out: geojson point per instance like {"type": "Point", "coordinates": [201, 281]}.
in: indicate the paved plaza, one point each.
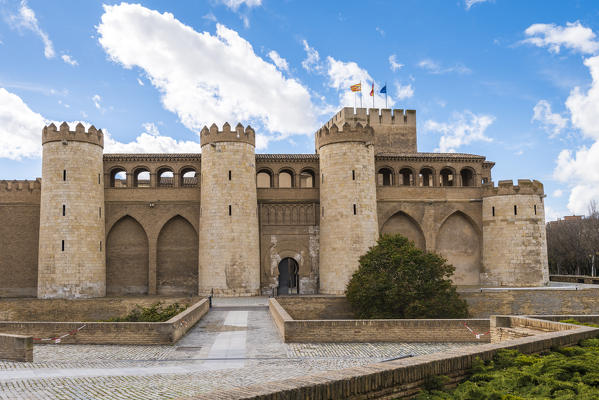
{"type": "Point", "coordinates": [235, 344]}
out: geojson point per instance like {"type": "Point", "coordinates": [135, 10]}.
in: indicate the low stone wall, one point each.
{"type": "Point", "coordinates": [376, 330]}
{"type": "Point", "coordinates": [316, 307]}
{"type": "Point", "coordinates": [575, 279]}
{"type": "Point", "coordinates": [62, 310]}
{"type": "Point", "coordinates": [400, 378]}
{"type": "Point", "coordinates": [539, 301]}
{"type": "Point", "coordinates": [508, 327]}
{"type": "Point", "coordinates": [112, 332]}
{"type": "Point", "coordinates": [16, 348]}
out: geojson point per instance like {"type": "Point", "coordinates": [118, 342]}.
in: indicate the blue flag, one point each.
{"type": "Point", "coordinates": [384, 89]}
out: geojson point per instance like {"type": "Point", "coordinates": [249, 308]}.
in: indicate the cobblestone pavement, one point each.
{"type": "Point", "coordinates": [231, 346]}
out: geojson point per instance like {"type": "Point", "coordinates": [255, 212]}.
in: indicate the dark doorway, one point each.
{"type": "Point", "coordinates": [288, 276]}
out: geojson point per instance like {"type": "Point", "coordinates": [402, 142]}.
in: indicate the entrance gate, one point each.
{"type": "Point", "coordinates": [288, 276]}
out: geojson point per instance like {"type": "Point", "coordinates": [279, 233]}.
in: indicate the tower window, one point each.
{"type": "Point", "coordinates": [493, 211]}
{"type": "Point", "coordinates": [322, 178]}
{"type": "Point", "coordinates": [322, 211]}
{"type": "Point", "coordinates": [229, 209]}
{"type": "Point", "coordinates": [515, 210]}
{"type": "Point", "coordinates": [63, 245]}
{"type": "Point", "coordinates": [64, 174]}
{"type": "Point", "coordinates": [98, 179]}
{"type": "Point", "coordinates": [64, 210]}
{"type": "Point", "coordinates": [353, 174]}
{"type": "Point", "coordinates": [535, 209]}
{"type": "Point", "coordinates": [100, 212]}
{"type": "Point", "coordinates": [354, 209]}
{"type": "Point", "coordinates": [229, 174]}
{"type": "Point", "coordinates": [100, 245]}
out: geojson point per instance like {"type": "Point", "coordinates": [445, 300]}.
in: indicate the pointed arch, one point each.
{"type": "Point", "coordinates": [127, 258]}
{"type": "Point", "coordinates": [405, 225]}
{"type": "Point", "coordinates": [177, 258]}
{"type": "Point", "coordinates": [459, 241]}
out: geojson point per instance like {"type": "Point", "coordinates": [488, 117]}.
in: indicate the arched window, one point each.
{"type": "Point", "coordinates": [406, 177]}
{"type": "Point", "coordinates": [166, 178]}
{"type": "Point", "coordinates": [447, 177]}
{"type": "Point", "coordinates": [188, 178]}
{"type": "Point", "coordinates": [263, 179]}
{"type": "Point", "coordinates": [118, 178]}
{"type": "Point", "coordinates": [286, 179]}
{"type": "Point", "coordinates": [307, 179]}
{"type": "Point", "coordinates": [467, 177]}
{"type": "Point", "coordinates": [385, 177]}
{"type": "Point", "coordinates": [141, 178]}
{"type": "Point", "coordinates": [426, 177]}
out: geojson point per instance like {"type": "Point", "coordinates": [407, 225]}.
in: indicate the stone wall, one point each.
{"type": "Point", "coordinates": [72, 240]}
{"type": "Point", "coordinates": [16, 348]}
{"type": "Point", "coordinates": [113, 332]}
{"type": "Point", "coordinates": [19, 236]}
{"type": "Point", "coordinates": [316, 307]}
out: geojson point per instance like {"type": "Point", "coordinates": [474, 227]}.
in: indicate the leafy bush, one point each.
{"type": "Point", "coordinates": [397, 280]}
{"type": "Point", "coordinates": [154, 313]}
{"type": "Point", "coordinates": [569, 373]}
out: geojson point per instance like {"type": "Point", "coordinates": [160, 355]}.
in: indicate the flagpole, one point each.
{"type": "Point", "coordinates": [361, 94]}
{"type": "Point", "coordinates": [386, 95]}
{"type": "Point", "coordinates": [373, 94]}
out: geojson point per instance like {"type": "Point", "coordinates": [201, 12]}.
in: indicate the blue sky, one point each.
{"type": "Point", "coordinates": [510, 80]}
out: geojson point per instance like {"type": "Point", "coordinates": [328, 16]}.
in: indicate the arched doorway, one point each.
{"type": "Point", "coordinates": [288, 276]}
{"type": "Point", "coordinates": [177, 261]}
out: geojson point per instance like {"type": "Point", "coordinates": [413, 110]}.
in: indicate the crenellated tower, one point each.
{"type": "Point", "coordinates": [71, 259]}
{"type": "Point", "coordinates": [348, 207]}
{"type": "Point", "coordinates": [229, 248]}
{"type": "Point", "coordinates": [514, 236]}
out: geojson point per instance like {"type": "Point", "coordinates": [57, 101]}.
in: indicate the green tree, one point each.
{"type": "Point", "coordinates": [398, 280]}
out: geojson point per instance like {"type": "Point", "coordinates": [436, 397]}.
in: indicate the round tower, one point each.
{"type": "Point", "coordinates": [71, 259]}
{"type": "Point", "coordinates": [514, 237]}
{"type": "Point", "coordinates": [348, 211]}
{"type": "Point", "coordinates": [229, 246]}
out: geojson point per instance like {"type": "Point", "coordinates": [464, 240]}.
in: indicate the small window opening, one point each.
{"type": "Point", "coordinates": [493, 211]}
{"type": "Point", "coordinates": [354, 209]}
{"type": "Point", "coordinates": [229, 174]}
{"type": "Point", "coordinates": [100, 212]}
{"type": "Point", "coordinates": [322, 178]}
{"type": "Point", "coordinates": [98, 179]}
{"type": "Point", "coordinates": [535, 209]}
{"type": "Point", "coordinates": [515, 210]}
{"type": "Point", "coordinates": [322, 211]}
{"type": "Point", "coordinates": [64, 210]}
{"type": "Point", "coordinates": [64, 174]}
{"type": "Point", "coordinates": [229, 209]}
{"type": "Point", "coordinates": [353, 174]}
{"type": "Point", "coordinates": [63, 245]}
{"type": "Point", "coordinates": [100, 245]}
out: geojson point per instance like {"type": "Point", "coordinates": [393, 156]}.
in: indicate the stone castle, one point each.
{"type": "Point", "coordinates": [233, 222]}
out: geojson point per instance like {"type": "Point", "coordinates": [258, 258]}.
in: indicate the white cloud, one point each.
{"type": "Point", "coordinates": [279, 61]}
{"type": "Point", "coordinates": [20, 128]}
{"type": "Point", "coordinates": [235, 4]}
{"type": "Point", "coordinates": [150, 141]}
{"type": "Point", "coordinates": [97, 99]}
{"type": "Point", "coordinates": [558, 193]}
{"type": "Point", "coordinates": [312, 61]}
{"type": "Point", "coordinates": [463, 129]}
{"type": "Point", "coordinates": [140, 82]}
{"type": "Point", "coordinates": [26, 19]}
{"type": "Point", "coordinates": [344, 74]}
{"type": "Point", "coordinates": [573, 36]}
{"type": "Point", "coordinates": [584, 107]}
{"type": "Point", "coordinates": [436, 68]}
{"type": "Point", "coordinates": [210, 17]}
{"type": "Point", "coordinates": [552, 122]}
{"type": "Point", "coordinates": [403, 91]}
{"type": "Point", "coordinates": [393, 64]}
{"type": "Point", "coordinates": [69, 60]}
{"type": "Point", "coordinates": [233, 83]}
{"type": "Point", "coordinates": [581, 171]}
{"type": "Point", "coordinates": [380, 31]}
{"type": "Point", "coordinates": [470, 3]}
{"type": "Point", "coordinates": [552, 214]}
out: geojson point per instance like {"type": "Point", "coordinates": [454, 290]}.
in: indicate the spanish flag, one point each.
{"type": "Point", "coordinates": [372, 90]}
{"type": "Point", "coordinates": [356, 88]}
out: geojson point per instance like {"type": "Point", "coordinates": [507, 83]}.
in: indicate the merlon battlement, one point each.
{"type": "Point", "coordinates": [51, 134]}
{"type": "Point", "coordinates": [21, 186]}
{"type": "Point", "coordinates": [507, 187]}
{"type": "Point", "coordinates": [373, 117]}
{"type": "Point", "coordinates": [347, 133]}
{"type": "Point", "coordinates": [213, 135]}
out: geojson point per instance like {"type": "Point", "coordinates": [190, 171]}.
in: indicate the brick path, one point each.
{"type": "Point", "coordinates": [235, 345]}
